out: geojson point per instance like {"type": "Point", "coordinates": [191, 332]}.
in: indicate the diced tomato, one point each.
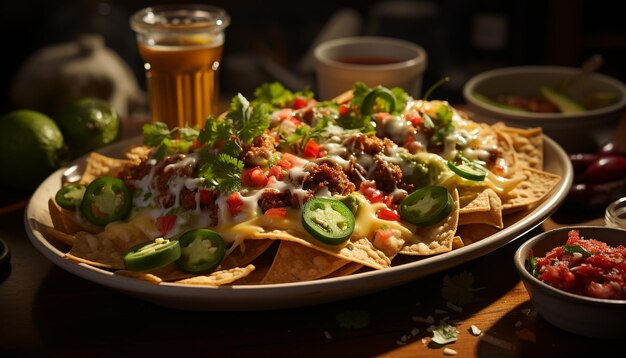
{"type": "Point", "coordinates": [344, 109]}
{"type": "Point", "coordinates": [276, 171]}
{"type": "Point", "coordinates": [284, 114]}
{"type": "Point", "coordinates": [382, 116]}
{"type": "Point", "coordinates": [387, 214]}
{"type": "Point", "coordinates": [165, 223]}
{"type": "Point", "coordinates": [288, 161]}
{"type": "Point", "coordinates": [254, 177]}
{"type": "Point", "coordinates": [383, 233]}
{"type": "Point", "coordinates": [415, 119]}
{"type": "Point", "coordinates": [300, 102]}
{"type": "Point", "coordinates": [368, 189]}
{"type": "Point", "coordinates": [234, 203]}
{"type": "Point", "coordinates": [322, 153]}
{"type": "Point", "coordinates": [207, 197]}
{"type": "Point", "coordinates": [276, 212]}
{"type": "Point", "coordinates": [311, 149]}
{"type": "Point", "coordinates": [295, 121]}
{"type": "Point", "coordinates": [196, 144]}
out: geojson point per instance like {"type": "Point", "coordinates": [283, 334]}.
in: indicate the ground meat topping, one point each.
{"type": "Point", "coordinates": [259, 152]}
{"type": "Point", "coordinates": [330, 175]}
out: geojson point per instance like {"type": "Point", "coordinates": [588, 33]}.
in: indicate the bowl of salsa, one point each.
{"type": "Point", "coordinates": [576, 278]}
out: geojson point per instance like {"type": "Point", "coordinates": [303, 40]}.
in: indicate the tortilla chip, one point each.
{"type": "Point", "coordinates": [219, 278]}
{"type": "Point", "coordinates": [148, 277]}
{"type": "Point", "coordinates": [99, 165]}
{"type": "Point", "coordinates": [528, 144]}
{"type": "Point", "coordinates": [505, 147]}
{"type": "Point", "coordinates": [245, 253]}
{"type": "Point", "coordinates": [473, 199]}
{"type": "Point", "coordinates": [437, 238]}
{"type": "Point", "coordinates": [359, 250]}
{"type": "Point", "coordinates": [475, 232]}
{"type": "Point", "coordinates": [457, 243]}
{"type": "Point", "coordinates": [68, 221]}
{"type": "Point", "coordinates": [536, 185]}
{"type": "Point", "coordinates": [97, 249]}
{"type": "Point", "coordinates": [345, 270]}
{"type": "Point", "coordinates": [295, 263]}
{"type": "Point", "coordinates": [137, 154]}
{"type": "Point", "coordinates": [491, 217]}
{"type": "Point", "coordinates": [60, 236]}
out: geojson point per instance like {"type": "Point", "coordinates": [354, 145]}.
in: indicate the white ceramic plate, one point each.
{"type": "Point", "coordinates": [261, 297]}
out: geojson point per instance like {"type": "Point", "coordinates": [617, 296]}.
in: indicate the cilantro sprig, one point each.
{"type": "Point", "coordinates": [168, 141]}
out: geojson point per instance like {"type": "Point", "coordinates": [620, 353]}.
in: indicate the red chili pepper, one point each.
{"type": "Point", "coordinates": [234, 203]}
{"type": "Point", "coordinates": [311, 149]}
{"type": "Point", "coordinates": [387, 214]}
{"type": "Point", "coordinates": [165, 223]}
{"type": "Point", "coordinates": [254, 177]}
{"type": "Point", "coordinates": [276, 212]}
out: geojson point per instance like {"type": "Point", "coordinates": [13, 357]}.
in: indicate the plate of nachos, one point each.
{"type": "Point", "coordinates": [286, 201]}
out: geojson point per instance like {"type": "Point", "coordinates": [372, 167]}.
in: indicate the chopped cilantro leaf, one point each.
{"type": "Point", "coordinates": [459, 289]}
{"type": "Point", "coordinates": [445, 334]}
{"type": "Point", "coordinates": [215, 130]}
{"type": "Point", "coordinates": [255, 123]}
{"type": "Point", "coordinates": [277, 95]}
{"type": "Point", "coordinates": [153, 134]}
{"type": "Point", "coordinates": [222, 172]}
{"type": "Point", "coordinates": [444, 125]}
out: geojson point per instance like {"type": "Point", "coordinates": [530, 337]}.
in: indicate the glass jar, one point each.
{"type": "Point", "coordinates": [615, 215]}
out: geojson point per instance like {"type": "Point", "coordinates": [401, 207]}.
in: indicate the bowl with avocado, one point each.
{"type": "Point", "coordinates": [579, 111]}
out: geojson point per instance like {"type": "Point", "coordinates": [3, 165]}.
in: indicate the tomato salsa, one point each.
{"type": "Point", "coordinates": [582, 266]}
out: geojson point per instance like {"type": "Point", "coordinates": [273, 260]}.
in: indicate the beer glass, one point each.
{"type": "Point", "coordinates": [181, 46]}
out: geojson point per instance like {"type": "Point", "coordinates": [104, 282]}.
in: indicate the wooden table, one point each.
{"type": "Point", "coordinates": [45, 311]}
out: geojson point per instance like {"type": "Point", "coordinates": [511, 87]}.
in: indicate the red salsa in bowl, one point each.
{"type": "Point", "coordinates": [587, 267]}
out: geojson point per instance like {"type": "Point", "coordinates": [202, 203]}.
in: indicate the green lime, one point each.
{"type": "Point", "coordinates": [88, 124]}
{"type": "Point", "coordinates": [31, 147]}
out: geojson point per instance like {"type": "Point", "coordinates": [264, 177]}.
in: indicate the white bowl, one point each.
{"type": "Point", "coordinates": [575, 132]}
{"type": "Point", "coordinates": [594, 317]}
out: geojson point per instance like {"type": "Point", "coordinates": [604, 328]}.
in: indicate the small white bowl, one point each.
{"type": "Point", "coordinates": [593, 317]}
{"type": "Point", "coordinates": [575, 132]}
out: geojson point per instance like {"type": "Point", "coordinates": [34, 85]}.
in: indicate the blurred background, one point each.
{"type": "Point", "coordinates": [272, 40]}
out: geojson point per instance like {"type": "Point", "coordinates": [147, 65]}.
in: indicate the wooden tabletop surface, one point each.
{"type": "Point", "coordinates": [46, 311]}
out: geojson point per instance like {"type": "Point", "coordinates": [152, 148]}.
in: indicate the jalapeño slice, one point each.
{"type": "Point", "coordinates": [106, 200]}
{"type": "Point", "coordinates": [426, 206]}
{"type": "Point", "coordinates": [151, 254]}
{"type": "Point", "coordinates": [468, 169]}
{"type": "Point", "coordinates": [202, 250]}
{"type": "Point", "coordinates": [70, 196]}
{"type": "Point", "coordinates": [330, 221]}
{"type": "Point", "coordinates": [378, 100]}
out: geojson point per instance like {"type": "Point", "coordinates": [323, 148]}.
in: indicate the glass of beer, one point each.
{"type": "Point", "coordinates": [181, 46]}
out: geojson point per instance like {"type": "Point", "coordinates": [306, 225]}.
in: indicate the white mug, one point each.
{"type": "Point", "coordinates": [388, 62]}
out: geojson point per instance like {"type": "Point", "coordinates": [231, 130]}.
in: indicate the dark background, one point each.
{"type": "Point", "coordinates": [554, 32]}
